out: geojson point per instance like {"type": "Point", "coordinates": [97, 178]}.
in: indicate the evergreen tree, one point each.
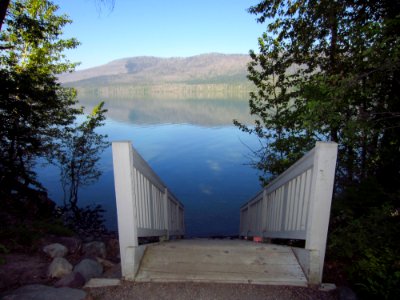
{"type": "Point", "coordinates": [328, 70]}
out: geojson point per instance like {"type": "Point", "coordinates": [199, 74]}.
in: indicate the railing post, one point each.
{"type": "Point", "coordinates": [248, 222]}
{"type": "Point", "coordinates": [264, 207]}
{"type": "Point", "coordinates": [183, 222]}
{"type": "Point", "coordinates": [284, 206]}
{"type": "Point", "coordinates": [177, 217]}
{"type": "Point", "coordinates": [166, 212]}
{"type": "Point", "coordinates": [320, 202]}
{"type": "Point", "coordinates": [126, 207]}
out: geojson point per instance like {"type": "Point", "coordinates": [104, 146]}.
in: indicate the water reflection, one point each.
{"type": "Point", "coordinates": [193, 146]}
{"type": "Point", "coordinates": [203, 112]}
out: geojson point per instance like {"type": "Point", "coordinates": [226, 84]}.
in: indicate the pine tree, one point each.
{"type": "Point", "coordinates": [328, 70]}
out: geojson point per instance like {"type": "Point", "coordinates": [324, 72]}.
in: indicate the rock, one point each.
{"type": "Point", "coordinates": [105, 263]}
{"type": "Point", "coordinates": [327, 287]}
{"type": "Point", "coordinates": [43, 292]}
{"type": "Point", "coordinates": [346, 293]}
{"type": "Point", "coordinates": [102, 282]}
{"type": "Point", "coordinates": [59, 267]}
{"type": "Point", "coordinates": [89, 269]}
{"type": "Point", "coordinates": [87, 238]}
{"type": "Point", "coordinates": [114, 272]}
{"type": "Point", "coordinates": [73, 244]}
{"type": "Point", "coordinates": [55, 250]}
{"type": "Point", "coordinates": [94, 249]}
{"type": "Point", "coordinates": [72, 280]}
{"type": "Point", "coordinates": [113, 248]}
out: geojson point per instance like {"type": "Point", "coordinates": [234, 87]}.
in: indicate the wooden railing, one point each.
{"type": "Point", "coordinates": [296, 205]}
{"type": "Point", "coordinates": [145, 206]}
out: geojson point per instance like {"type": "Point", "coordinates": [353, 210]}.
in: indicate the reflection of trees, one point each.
{"type": "Point", "coordinates": [194, 90]}
{"type": "Point", "coordinates": [203, 112]}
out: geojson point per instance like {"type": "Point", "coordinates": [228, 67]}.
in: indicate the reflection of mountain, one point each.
{"type": "Point", "coordinates": [204, 112]}
{"type": "Point", "coordinates": [202, 76]}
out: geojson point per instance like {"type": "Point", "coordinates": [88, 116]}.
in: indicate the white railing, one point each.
{"type": "Point", "coordinates": [145, 206]}
{"type": "Point", "coordinates": [296, 205]}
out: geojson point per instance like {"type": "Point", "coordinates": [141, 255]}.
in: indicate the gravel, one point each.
{"type": "Point", "coordinates": [181, 291]}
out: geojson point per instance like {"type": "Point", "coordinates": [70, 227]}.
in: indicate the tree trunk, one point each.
{"type": "Point", "coordinates": [333, 63]}
{"type": "Point", "coordinates": [3, 11]}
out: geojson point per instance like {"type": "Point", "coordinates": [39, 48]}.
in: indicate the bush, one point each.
{"type": "Point", "coordinates": [3, 250]}
{"type": "Point", "coordinates": [53, 226]}
{"type": "Point", "coordinates": [21, 237]}
{"type": "Point", "coordinates": [86, 221]}
{"type": "Point", "coordinates": [365, 238]}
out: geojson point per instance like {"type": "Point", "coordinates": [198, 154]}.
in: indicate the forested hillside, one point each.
{"type": "Point", "coordinates": [206, 75]}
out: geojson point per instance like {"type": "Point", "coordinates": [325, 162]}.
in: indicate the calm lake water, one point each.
{"type": "Point", "coordinates": [193, 147]}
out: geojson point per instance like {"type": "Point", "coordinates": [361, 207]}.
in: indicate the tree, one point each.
{"type": "Point", "coordinates": [34, 108]}
{"type": "Point", "coordinates": [3, 10]}
{"type": "Point", "coordinates": [328, 70]}
{"type": "Point", "coordinates": [38, 118]}
{"type": "Point", "coordinates": [4, 5]}
{"type": "Point", "coordinates": [78, 154]}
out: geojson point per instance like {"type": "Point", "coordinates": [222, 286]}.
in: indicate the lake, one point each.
{"type": "Point", "coordinates": [194, 148]}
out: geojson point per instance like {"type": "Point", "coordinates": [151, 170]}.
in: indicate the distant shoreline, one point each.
{"type": "Point", "coordinates": [168, 91]}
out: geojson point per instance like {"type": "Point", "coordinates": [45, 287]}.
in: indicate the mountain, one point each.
{"type": "Point", "coordinates": [200, 69]}
{"type": "Point", "coordinates": [205, 76]}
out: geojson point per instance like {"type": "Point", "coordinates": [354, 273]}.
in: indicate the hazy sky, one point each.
{"type": "Point", "coordinates": [159, 28]}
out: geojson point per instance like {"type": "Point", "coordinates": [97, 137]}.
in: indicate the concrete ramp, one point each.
{"type": "Point", "coordinates": [225, 261]}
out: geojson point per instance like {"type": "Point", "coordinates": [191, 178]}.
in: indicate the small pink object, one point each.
{"type": "Point", "coordinates": [257, 239]}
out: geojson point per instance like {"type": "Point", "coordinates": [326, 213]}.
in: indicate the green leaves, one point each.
{"type": "Point", "coordinates": [33, 31]}
{"type": "Point", "coordinates": [328, 71]}
{"type": "Point", "coordinates": [366, 240]}
{"type": "Point", "coordinates": [34, 108]}
{"type": "Point", "coordinates": [78, 152]}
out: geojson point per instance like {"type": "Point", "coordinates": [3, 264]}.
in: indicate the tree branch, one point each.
{"type": "Point", "coordinates": [3, 11]}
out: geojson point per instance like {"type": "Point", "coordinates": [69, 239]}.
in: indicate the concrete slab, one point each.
{"type": "Point", "coordinates": [327, 287]}
{"type": "Point", "coordinates": [225, 261]}
{"type": "Point", "coordinates": [101, 282]}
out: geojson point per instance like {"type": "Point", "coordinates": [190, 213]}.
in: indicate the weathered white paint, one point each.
{"type": "Point", "coordinates": [145, 207]}
{"type": "Point", "coordinates": [220, 261]}
{"type": "Point", "coordinates": [309, 261]}
{"type": "Point", "coordinates": [296, 205]}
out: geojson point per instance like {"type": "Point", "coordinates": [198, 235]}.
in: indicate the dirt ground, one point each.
{"type": "Point", "coordinates": [23, 269]}
{"type": "Point", "coordinates": [199, 291]}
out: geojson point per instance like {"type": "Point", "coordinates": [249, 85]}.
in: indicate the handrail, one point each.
{"type": "Point", "coordinates": [145, 206]}
{"type": "Point", "coordinates": [296, 205]}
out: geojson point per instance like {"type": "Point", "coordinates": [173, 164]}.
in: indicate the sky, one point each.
{"type": "Point", "coordinates": [164, 28]}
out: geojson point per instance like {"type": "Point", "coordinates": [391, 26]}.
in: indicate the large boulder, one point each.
{"type": "Point", "coordinates": [59, 267]}
{"type": "Point", "coordinates": [113, 272]}
{"type": "Point", "coordinates": [346, 293]}
{"type": "Point", "coordinates": [105, 263]}
{"type": "Point", "coordinates": [72, 280]}
{"type": "Point", "coordinates": [43, 292]}
{"type": "Point", "coordinates": [73, 244]}
{"type": "Point", "coordinates": [55, 250]}
{"type": "Point", "coordinates": [89, 268]}
{"type": "Point", "coordinates": [94, 249]}
{"type": "Point", "coordinates": [113, 248]}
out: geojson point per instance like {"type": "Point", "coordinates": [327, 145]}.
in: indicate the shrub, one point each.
{"type": "Point", "coordinates": [3, 250]}
{"type": "Point", "coordinates": [365, 238]}
{"type": "Point", "coordinates": [85, 221]}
